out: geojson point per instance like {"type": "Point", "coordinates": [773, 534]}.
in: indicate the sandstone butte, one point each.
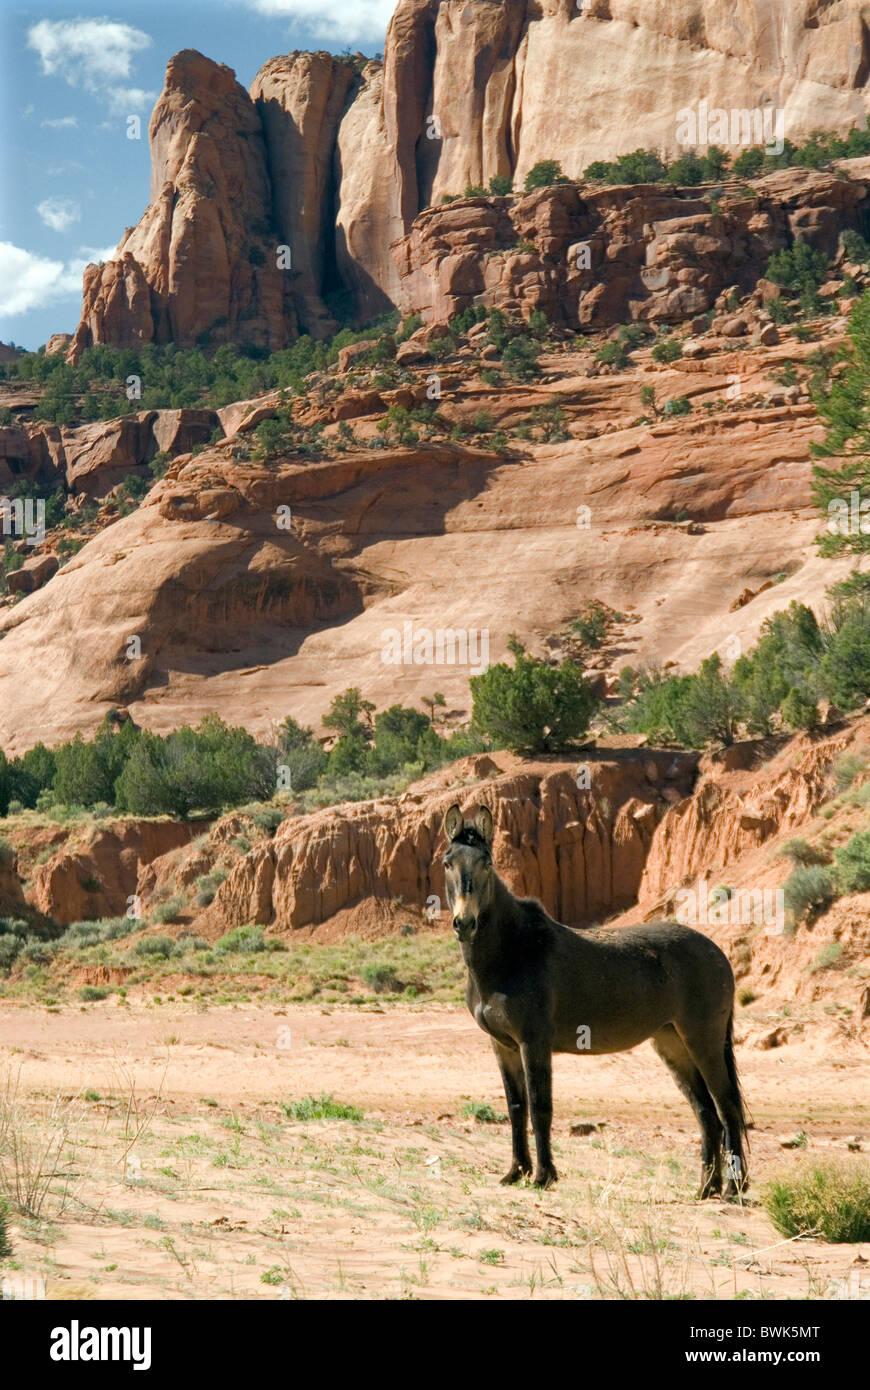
{"type": "Point", "coordinates": [336, 158]}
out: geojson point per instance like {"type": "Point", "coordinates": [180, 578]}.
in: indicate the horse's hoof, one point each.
{"type": "Point", "coordinates": [545, 1177]}
{"type": "Point", "coordinates": [515, 1173]}
{"type": "Point", "coordinates": [735, 1191]}
{"type": "Point", "coordinates": [711, 1186]}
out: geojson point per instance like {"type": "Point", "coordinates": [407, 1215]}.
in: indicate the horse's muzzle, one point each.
{"type": "Point", "coordinates": [465, 927]}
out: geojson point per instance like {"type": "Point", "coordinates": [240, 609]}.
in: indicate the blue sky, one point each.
{"type": "Point", "coordinates": [71, 74]}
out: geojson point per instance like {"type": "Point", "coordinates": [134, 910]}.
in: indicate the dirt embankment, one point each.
{"type": "Point", "coordinates": [618, 834]}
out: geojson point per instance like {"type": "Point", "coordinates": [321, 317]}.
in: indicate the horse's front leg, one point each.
{"type": "Point", "coordinates": [538, 1067]}
{"type": "Point", "coordinates": [511, 1064]}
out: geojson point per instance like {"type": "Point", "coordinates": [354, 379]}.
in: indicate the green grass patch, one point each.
{"type": "Point", "coordinates": [321, 1107]}
{"type": "Point", "coordinates": [830, 1200]}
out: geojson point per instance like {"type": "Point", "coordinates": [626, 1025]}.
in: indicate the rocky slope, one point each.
{"type": "Point", "coordinates": [595, 257]}
{"type": "Point", "coordinates": [335, 158]}
{"type": "Point", "coordinates": [90, 460]}
{"type": "Point", "coordinates": [257, 613]}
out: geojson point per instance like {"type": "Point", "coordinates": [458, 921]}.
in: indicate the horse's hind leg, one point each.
{"type": "Point", "coordinates": [673, 1052]}
{"type": "Point", "coordinates": [511, 1064]}
{"type": "Point", "coordinates": [714, 1058]}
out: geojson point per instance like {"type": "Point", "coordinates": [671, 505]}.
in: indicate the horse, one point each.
{"type": "Point", "coordinates": [538, 987]}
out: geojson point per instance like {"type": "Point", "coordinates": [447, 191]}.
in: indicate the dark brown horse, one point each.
{"type": "Point", "coordinates": [538, 987]}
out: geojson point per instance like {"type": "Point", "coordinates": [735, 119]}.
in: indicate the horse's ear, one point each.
{"type": "Point", "coordinates": [483, 823]}
{"type": "Point", "coordinates": [453, 822]}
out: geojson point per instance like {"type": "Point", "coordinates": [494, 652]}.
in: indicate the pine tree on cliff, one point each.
{"type": "Point", "coordinates": [841, 490]}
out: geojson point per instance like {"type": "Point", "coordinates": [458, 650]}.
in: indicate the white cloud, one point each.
{"type": "Point", "coordinates": [361, 20]}
{"type": "Point", "coordinates": [67, 166]}
{"type": "Point", "coordinates": [95, 54]}
{"type": "Point", "coordinates": [61, 123]}
{"type": "Point", "coordinates": [125, 100]}
{"type": "Point", "coordinates": [88, 53]}
{"type": "Point", "coordinates": [28, 281]}
{"type": "Point", "coordinates": [89, 255]}
{"type": "Point", "coordinates": [59, 213]}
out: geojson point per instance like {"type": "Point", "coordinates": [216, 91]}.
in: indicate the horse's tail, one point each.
{"type": "Point", "coordinates": [737, 1090]}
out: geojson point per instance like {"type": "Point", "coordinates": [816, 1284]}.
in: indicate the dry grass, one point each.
{"type": "Point", "coordinates": [37, 1164]}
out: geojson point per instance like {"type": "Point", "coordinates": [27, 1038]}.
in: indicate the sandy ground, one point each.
{"type": "Point", "coordinates": [185, 1178]}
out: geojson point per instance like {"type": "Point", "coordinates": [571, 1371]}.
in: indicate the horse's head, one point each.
{"type": "Point", "coordinates": [468, 869]}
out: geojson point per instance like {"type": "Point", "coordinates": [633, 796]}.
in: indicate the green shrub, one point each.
{"type": "Point", "coordinates": [268, 818]}
{"type": "Point", "coordinates": [830, 1200]}
{"type": "Point", "coordinates": [808, 888]}
{"type": "Point", "coordinates": [680, 405]}
{"type": "Point", "coordinates": [92, 994]}
{"type": "Point", "coordinates": [500, 185]}
{"type": "Point", "coordinates": [800, 851]}
{"type": "Point", "coordinates": [631, 335]}
{"type": "Point", "coordinates": [204, 769]}
{"type": "Point", "coordinates": [440, 349]}
{"type": "Point", "coordinates": [321, 1107]}
{"type": "Point", "coordinates": [382, 978]}
{"type": "Point", "coordinates": [856, 248]}
{"type": "Point", "coordinates": [38, 952]}
{"type": "Point", "coordinates": [640, 166]}
{"type": "Point", "coordinates": [846, 768]}
{"type": "Point", "coordinates": [829, 955]}
{"type": "Point", "coordinates": [780, 311]}
{"type": "Point", "coordinates": [689, 710]}
{"type": "Point", "coordinates": [93, 933]}
{"type": "Point", "coordinates": [207, 885]}
{"type": "Point", "coordinates": [543, 174]}
{"type": "Point", "coordinates": [163, 946]}
{"type": "Point", "coordinates": [799, 710]}
{"type": "Point", "coordinates": [852, 862]}
{"type": "Point", "coordinates": [86, 772]}
{"type": "Point", "coordinates": [668, 350]}
{"type": "Point", "coordinates": [10, 948]}
{"type": "Point", "coordinates": [249, 941]}
{"type": "Point", "coordinates": [169, 910]}
{"type": "Point", "coordinates": [409, 326]}
{"type": "Point", "coordinates": [520, 358]}
{"type": "Point", "coordinates": [799, 268]}
{"type": "Point", "coordinates": [5, 1242]}
{"type": "Point", "coordinates": [612, 354]}
{"type": "Point", "coordinates": [532, 707]}
{"type": "Point", "coordinates": [592, 627]}
{"type": "Point", "coordinates": [480, 1111]}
